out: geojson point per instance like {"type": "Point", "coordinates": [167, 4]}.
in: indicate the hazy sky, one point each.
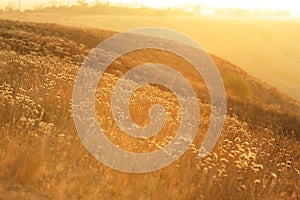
{"type": "Point", "coordinates": [292, 5]}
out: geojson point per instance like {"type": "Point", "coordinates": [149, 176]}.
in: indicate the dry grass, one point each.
{"type": "Point", "coordinates": [267, 49]}
{"type": "Point", "coordinates": [43, 157]}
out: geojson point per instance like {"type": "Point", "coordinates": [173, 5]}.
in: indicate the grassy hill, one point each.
{"type": "Point", "coordinates": [267, 49]}
{"type": "Point", "coordinates": [42, 156]}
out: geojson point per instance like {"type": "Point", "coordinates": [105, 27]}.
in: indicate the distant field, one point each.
{"type": "Point", "coordinates": [268, 50]}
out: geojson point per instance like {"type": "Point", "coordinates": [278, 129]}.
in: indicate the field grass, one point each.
{"type": "Point", "coordinates": [267, 49]}
{"type": "Point", "coordinates": [42, 157]}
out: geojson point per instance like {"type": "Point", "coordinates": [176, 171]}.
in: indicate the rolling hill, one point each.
{"type": "Point", "coordinates": [266, 49]}
{"type": "Point", "coordinates": [42, 156]}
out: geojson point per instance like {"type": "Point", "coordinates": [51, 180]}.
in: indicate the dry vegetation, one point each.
{"type": "Point", "coordinates": [267, 49]}
{"type": "Point", "coordinates": [42, 157]}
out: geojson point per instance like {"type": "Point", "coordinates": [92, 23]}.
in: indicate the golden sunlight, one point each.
{"type": "Point", "coordinates": [293, 6]}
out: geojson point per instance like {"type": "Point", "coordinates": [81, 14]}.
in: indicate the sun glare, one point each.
{"type": "Point", "coordinates": [292, 5]}
{"type": "Point", "coordinates": [90, 1]}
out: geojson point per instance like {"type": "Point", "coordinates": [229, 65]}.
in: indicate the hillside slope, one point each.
{"type": "Point", "coordinates": [45, 39]}
{"type": "Point", "coordinates": [257, 155]}
{"type": "Point", "coordinates": [267, 49]}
